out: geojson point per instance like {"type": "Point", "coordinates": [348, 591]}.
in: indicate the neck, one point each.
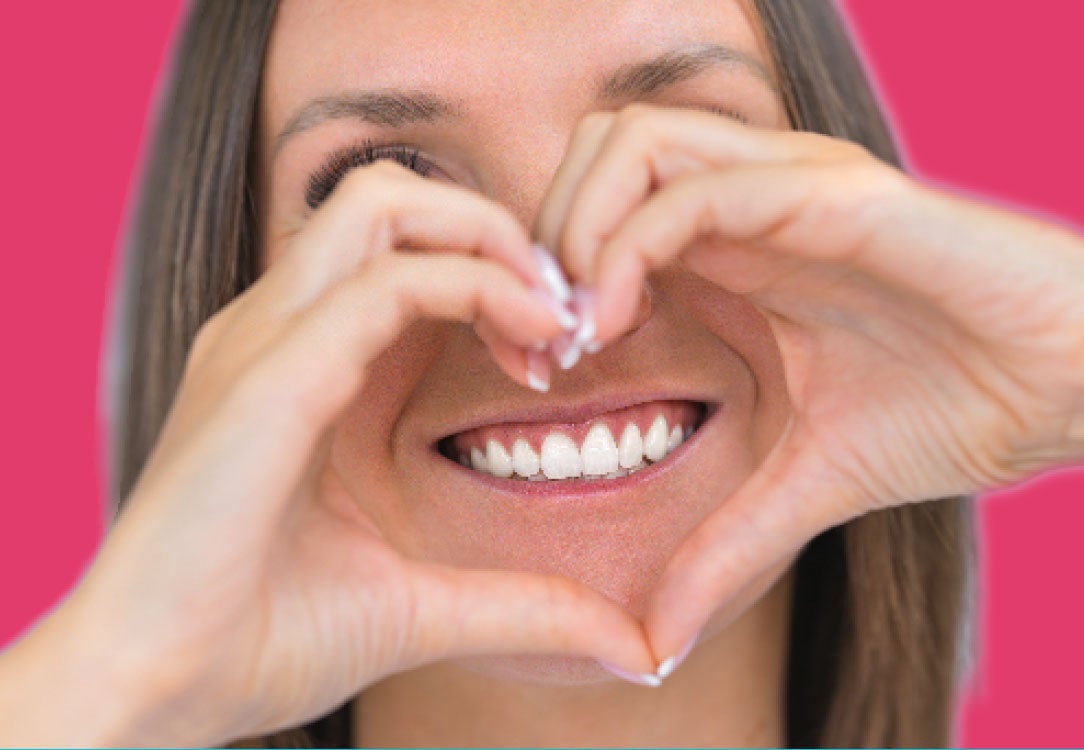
{"type": "Point", "coordinates": [728, 692]}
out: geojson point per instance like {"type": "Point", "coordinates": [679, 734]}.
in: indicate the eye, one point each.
{"type": "Point", "coordinates": [728, 112]}
{"type": "Point", "coordinates": [342, 160]}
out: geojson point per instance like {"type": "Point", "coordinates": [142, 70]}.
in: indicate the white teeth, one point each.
{"type": "Point", "coordinates": [478, 460]}
{"type": "Point", "coordinates": [655, 439]}
{"type": "Point", "coordinates": [599, 456]}
{"type": "Point", "coordinates": [498, 460]}
{"type": "Point", "coordinates": [524, 460]}
{"type": "Point", "coordinates": [631, 450]}
{"type": "Point", "coordinates": [560, 457]}
{"type": "Point", "coordinates": [676, 438]}
{"type": "Point", "coordinates": [598, 452]}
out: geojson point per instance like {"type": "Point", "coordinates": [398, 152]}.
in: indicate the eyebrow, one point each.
{"type": "Point", "coordinates": [397, 107]}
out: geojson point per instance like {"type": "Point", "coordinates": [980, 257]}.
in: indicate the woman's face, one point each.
{"type": "Point", "coordinates": [521, 74]}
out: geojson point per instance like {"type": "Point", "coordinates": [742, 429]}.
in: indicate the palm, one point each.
{"type": "Point", "coordinates": [334, 610]}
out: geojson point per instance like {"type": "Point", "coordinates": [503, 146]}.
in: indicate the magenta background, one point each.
{"type": "Point", "coordinates": [985, 97]}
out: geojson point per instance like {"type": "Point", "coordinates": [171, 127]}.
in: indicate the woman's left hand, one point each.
{"type": "Point", "coordinates": [932, 346]}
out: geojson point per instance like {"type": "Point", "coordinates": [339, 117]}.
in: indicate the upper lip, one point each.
{"type": "Point", "coordinates": [567, 412]}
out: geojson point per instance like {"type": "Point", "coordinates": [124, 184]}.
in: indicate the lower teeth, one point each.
{"type": "Point", "coordinates": [540, 477]}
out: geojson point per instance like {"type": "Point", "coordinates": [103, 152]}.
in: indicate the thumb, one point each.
{"type": "Point", "coordinates": [791, 497]}
{"type": "Point", "coordinates": [471, 612]}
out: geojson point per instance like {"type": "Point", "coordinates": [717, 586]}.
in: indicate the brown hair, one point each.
{"type": "Point", "coordinates": [881, 617]}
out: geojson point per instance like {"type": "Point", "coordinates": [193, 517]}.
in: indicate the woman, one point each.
{"type": "Point", "coordinates": [851, 354]}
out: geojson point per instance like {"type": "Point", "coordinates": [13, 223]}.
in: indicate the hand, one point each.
{"type": "Point", "coordinates": [242, 590]}
{"type": "Point", "coordinates": [931, 346]}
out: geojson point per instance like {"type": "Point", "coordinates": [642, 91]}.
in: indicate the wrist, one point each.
{"type": "Point", "coordinates": [71, 682]}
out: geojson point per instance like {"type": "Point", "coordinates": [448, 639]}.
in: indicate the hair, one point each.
{"type": "Point", "coordinates": [881, 623]}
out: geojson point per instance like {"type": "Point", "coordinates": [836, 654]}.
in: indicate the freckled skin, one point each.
{"type": "Point", "coordinates": [526, 71]}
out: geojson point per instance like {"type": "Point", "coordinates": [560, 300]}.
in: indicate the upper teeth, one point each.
{"type": "Point", "coordinates": [599, 455]}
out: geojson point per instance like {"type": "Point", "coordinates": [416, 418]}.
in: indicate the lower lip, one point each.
{"type": "Point", "coordinates": [575, 489]}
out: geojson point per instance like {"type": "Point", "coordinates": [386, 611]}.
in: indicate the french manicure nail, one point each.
{"type": "Point", "coordinates": [646, 678]}
{"type": "Point", "coordinates": [565, 351]}
{"type": "Point", "coordinates": [568, 319]}
{"type": "Point", "coordinates": [570, 357]}
{"type": "Point", "coordinates": [668, 665]}
{"type": "Point", "coordinates": [538, 371]}
{"type": "Point", "coordinates": [552, 275]}
{"type": "Point", "coordinates": [583, 302]}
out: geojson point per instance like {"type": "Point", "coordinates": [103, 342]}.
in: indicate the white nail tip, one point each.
{"type": "Point", "coordinates": [537, 383]}
{"type": "Point", "coordinates": [569, 357]}
{"type": "Point", "coordinates": [666, 668]}
{"type": "Point", "coordinates": [552, 275]}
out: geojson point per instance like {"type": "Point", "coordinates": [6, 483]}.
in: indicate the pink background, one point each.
{"type": "Point", "coordinates": [985, 97]}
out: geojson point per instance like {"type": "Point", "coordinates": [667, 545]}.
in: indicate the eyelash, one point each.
{"type": "Point", "coordinates": [342, 160]}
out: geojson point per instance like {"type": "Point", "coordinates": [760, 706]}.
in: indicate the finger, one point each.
{"type": "Point", "coordinates": [791, 498]}
{"type": "Point", "coordinates": [764, 204]}
{"type": "Point", "coordinates": [586, 139]}
{"type": "Point", "coordinates": [527, 366]}
{"type": "Point", "coordinates": [385, 206]}
{"type": "Point", "coordinates": [470, 612]}
{"type": "Point", "coordinates": [643, 149]}
{"type": "Point", "coordinates": [270, 416]}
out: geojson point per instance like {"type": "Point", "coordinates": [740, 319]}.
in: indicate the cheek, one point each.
{"type": "Point", "coordinates": [731, 319]}
{"type": "Point", "coordinates": [363, 451]}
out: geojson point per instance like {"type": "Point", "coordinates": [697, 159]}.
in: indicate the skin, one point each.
{"type": "Point", "coordinates": [288, 547]}
{"type": "Point", "coordinates": [507, 147]}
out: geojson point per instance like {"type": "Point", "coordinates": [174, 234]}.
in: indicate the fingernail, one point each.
{"type": "Point", "coordinates": [583, 302]}
{"type": "Point", "coordinates": [646, 678]}
{"type": "Point", "coordinates": [552, 275]}
{"type": "Point", "coordinates": [568, 319]}
{"type": "Point", "coordinates": [565, 351]}
{"type": "Point", "coordinates": [538, 371]}
{"type": "Point", "coordinates": [592, 347]}
{"type": "Point", "coordinates": [668, 665]}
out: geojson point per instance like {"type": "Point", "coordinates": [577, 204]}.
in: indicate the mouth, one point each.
{"type": "Point", "coordinates": [577, 450]}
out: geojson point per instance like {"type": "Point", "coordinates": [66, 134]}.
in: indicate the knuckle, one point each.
{"type": "Point", "coordinates": [637, 120]}
{"type": "Point", "coordinates": [592, 122]}
{"type": "Point", "coordinates": [635, 112]}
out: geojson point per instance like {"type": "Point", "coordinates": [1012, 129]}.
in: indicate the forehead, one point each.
{"type": "Point", "coordinates": [521, 53]}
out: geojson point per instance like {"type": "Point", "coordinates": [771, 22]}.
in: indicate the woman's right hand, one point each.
{"type": "Point", "coordinates": [242, 590]}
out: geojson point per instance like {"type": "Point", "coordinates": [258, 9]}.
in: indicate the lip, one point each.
{"type": "Point", "coordinates": [581, 489]}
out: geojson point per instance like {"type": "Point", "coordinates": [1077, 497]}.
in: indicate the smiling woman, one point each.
{"type": "Point", "coordinates": [358, 504]}
{"type": "Point", "coordinates": [858, 642]}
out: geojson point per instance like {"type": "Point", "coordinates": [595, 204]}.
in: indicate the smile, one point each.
{"type": "Point", "coordinates": [604, 447]}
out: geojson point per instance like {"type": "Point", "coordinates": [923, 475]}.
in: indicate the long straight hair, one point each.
{"type": "Point", "coordinates": [881, 623]}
